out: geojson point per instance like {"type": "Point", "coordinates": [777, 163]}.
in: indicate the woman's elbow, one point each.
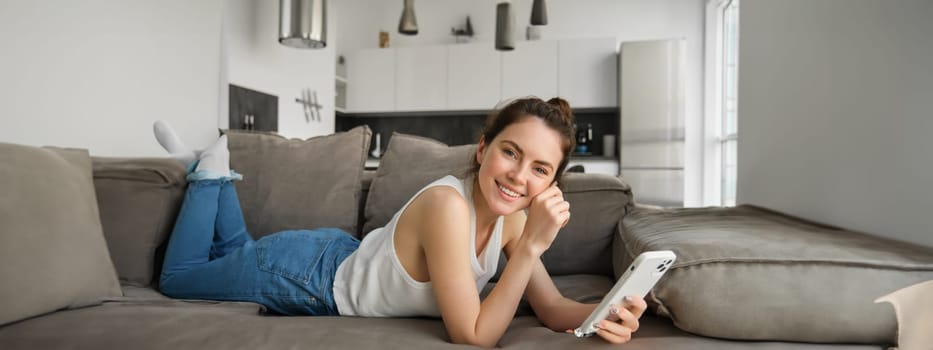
{"type": "Point", "coordinates": [473, 340]}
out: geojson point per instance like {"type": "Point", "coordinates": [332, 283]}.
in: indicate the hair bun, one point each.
{"type": "Point", "coordinates": [563, 106]}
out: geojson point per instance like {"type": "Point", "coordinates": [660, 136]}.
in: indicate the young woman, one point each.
{"type": "Point", "coordinates": [431, 259]}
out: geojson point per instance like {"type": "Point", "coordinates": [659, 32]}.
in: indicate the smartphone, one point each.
{"type": "Point", "coordinates": [638, 279]}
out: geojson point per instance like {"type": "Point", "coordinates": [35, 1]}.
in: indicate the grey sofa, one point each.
{"type": "Point", "coordinates": [138, 199]}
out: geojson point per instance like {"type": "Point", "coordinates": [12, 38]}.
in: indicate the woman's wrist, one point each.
{"type": "Point", "coordinates": [530, 248]}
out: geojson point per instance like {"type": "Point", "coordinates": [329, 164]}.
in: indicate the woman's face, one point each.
{"type": "Point", "coordinates": [518, 164]}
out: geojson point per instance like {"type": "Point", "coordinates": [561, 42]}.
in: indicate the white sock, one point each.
{"type": "Point", "coordinates": [216, 158]}
{"type": "Point", "coordinates": [170, 141]}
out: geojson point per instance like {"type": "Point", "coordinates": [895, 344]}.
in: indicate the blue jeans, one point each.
{"type": "Point", "coordinates": [211, 256]}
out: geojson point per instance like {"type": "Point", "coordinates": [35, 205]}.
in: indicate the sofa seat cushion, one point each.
{"type": "Point", "coordinates": [52, 249]}
{"type": "Point", "coordinates": [222, 325]}
{"type": "Point", "coordinates": [139, 199]}
{"type": "Point", "coordinates": [654, 333]}
{"type": "Point", "coordinates": [299, 184]}
{"type": "Point", "coordinates": [753, 274]}
{"type": "Point", "coordinates": [172, 324]}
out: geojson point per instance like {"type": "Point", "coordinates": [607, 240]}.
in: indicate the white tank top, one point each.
{"type": "Point", "coordinates": [371, 282]}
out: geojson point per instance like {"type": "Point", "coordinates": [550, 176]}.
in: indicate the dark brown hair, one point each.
{"type": "Point", "coordinates": [555, 113]}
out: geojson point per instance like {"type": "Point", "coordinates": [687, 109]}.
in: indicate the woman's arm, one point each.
{"type": "Point", "coordinates": [560, 314]}
{"type": "Point", "coordinates": [553, 309]}
{"type": "Point", "coordinates": [444, 233]}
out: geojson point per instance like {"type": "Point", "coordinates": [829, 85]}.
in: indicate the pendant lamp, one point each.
{"type": "Point", "coordinates": [302, 24]}
{"type": "Point", "coordinates": [408, 24]}
{"type": "Point", "coordinates": [539, 13]}
{"type": "Point", "coordinates": [504, 19]}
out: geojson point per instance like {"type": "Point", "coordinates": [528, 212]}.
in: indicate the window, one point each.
{"type": "Point", "coordinates": [722, 57]}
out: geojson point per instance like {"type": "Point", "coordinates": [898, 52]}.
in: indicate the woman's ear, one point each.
{"type": "Point", "coordinates": [480, 150]}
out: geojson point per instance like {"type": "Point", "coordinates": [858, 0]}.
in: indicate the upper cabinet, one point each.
{"type": "Point", "coordinates": [371, 81]}
{"type": "Point", "coordinates": [587, 75]}
{"type": "Point", "coordinates": [421, 78]}
{"type": "Point", "coordinates": [476, 77]}
{"type": "Point", "coordinates": [530, 69]}
{"type": "Point", "coordinates": [473, 77]}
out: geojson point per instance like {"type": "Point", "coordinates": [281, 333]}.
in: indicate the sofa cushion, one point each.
{"type": "Point", "coordinates": [299, 184]}
{"type": "Point", "coordinates": [584, 246]}
{"type": "Point", "coordinates": [139, 199]}
{"type": "Point", "coordinates": [913, 307]}
{"type": "Point", "coordinates": [52, 250]}
{"type": "Point", "coordinates": [410, 163]}
{"type": "Point", "coordinates": [754, 274]}
{"type": "Point", "coordinates": [153, 323]}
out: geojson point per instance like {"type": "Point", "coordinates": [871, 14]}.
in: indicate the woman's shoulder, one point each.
{"type": "Point", "coordinates": [440, 196]}
{"type": "Point", "coordinates": [436, 208]}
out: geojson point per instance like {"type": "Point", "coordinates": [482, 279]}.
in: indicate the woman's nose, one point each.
{"type": "Point", "coordinates": [518, 174]}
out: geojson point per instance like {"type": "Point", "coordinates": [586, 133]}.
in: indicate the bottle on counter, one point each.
{"type": "Point", "coordinates": [584, 139]}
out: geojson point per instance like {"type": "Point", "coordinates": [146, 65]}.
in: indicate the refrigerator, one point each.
{"type": "Point", "coordinates": [651, 112]}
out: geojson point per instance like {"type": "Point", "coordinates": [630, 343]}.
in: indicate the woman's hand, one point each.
{"type": "Point", "coordinates": [547, 214]}
{"type": "Point", "coordinates": [622, 321]}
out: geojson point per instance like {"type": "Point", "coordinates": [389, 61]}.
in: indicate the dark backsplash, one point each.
{"type": "Point", "coordinates": [461, 128]}
{"type": "Point", "coordinates": [262, 106]}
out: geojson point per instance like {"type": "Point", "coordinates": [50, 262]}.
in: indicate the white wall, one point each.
{"type": "Point", "coordinates": [836, 112]}
{"type": "Point", "coordinates": [257, 61]}
{"type": "Point", "coordinates": [96, 74]}
{"type": "Point", "coordinates": [628, 20]}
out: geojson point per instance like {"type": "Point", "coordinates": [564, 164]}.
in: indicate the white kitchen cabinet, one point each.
{"type": "Point", "coordinates": [421, 78]}
{"type": "Point", "coordinates": [587, 74]}
{"type": "Point", "coordinates": [473, 76]}
{"type": "Point", "coordinates": [530, 69]}
{"type": "Point", "coordinates": [371, 80]}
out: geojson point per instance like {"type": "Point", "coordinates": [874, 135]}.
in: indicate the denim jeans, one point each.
{"type": "Point", "coordinates": [211, 256]}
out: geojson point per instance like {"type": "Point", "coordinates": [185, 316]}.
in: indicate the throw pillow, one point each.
{"type": "Point", "coordinates": [749, 273]}
{"type": "Point", "coordinates": [410, 163]}
{"type": "Point", "coordinates": [914, 308]}
{"type": "Point", "coordinates": [52, 250]}
{"type": "Point", "coordinates": [299, 184]}
{"type": "Point", "coordinates": [139, 199]}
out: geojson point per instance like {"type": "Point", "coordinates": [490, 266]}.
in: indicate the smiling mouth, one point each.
{"type": "Point", "coordinates": [508, 192]}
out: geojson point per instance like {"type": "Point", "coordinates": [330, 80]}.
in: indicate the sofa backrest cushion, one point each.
{"type": "Point", "coordinates": [139, 199]}
{"type": "Point", "coordinates": [299, 184]}
{"type": "Point", "coordinates": [410, 163]}
{"type": "Point", "coordinates": [597, 202]}
{"type": "Point", "coordinates": [584, 246]}
{"type": "Point", "coordinates": [749, 273]}
{"type": "Point", "coordinates": [52, 250]}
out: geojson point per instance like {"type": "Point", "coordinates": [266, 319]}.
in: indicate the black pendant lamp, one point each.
{"type": "Point", "coordinates": [302, 24]}
{"type": "Point", "coordinates": [539, 13]}
{"type": "Point", "coordinates": [408, 24]}
{"type": "Point", "coordinates": [504, 19]}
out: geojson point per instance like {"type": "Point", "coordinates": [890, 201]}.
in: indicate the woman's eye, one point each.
{"type": "Point", "coordinates": [509, 153]}
{"type": "Point", "coordinates": [541, 171]}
